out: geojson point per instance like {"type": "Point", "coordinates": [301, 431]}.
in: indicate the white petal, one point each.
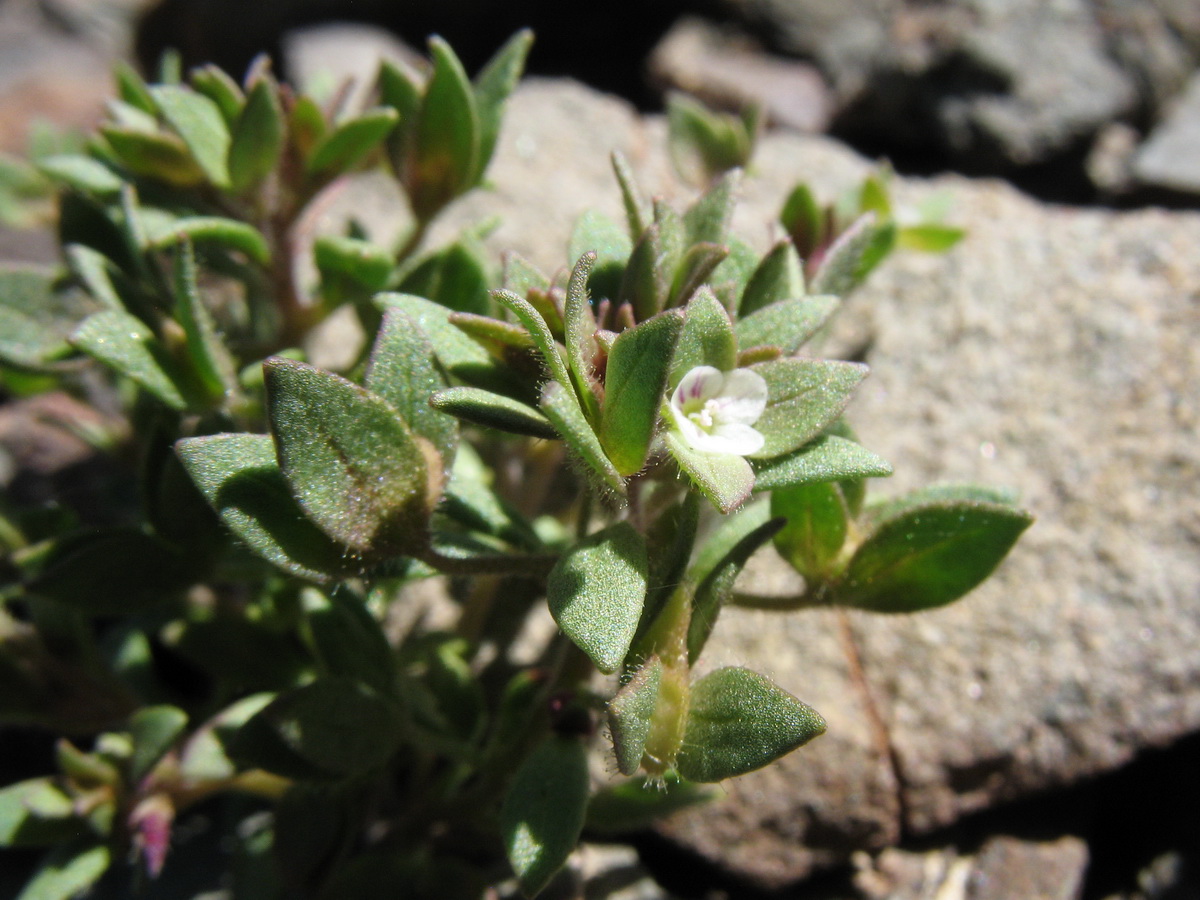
{"type": "Point", "coordinates": [698, 385]}
{"type": "Point", "coordinates": [737, 440]}
{"type": "Point", "coordinates": [743, 397]}
{"type": "Point", "coordinates": [690, 430]}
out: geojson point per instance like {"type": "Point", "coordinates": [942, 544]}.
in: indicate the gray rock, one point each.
{"type": "Point", "coordinates": [990, 85]}
{"type": "Point", "coordinates": [728, 72]}
{"type": "Point", "coordinates": [1004, 868]}
{"type": "Point", "coordinates": [1054, 351]}
{"type": "Point", "coordinates": [1170, 157]}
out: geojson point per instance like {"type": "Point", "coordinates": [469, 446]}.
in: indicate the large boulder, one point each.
{"type": "Point", "coordinates": [1054, 351]}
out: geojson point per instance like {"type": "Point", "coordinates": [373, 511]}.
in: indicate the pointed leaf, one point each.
{"type": "Point", "coordinates": [347, 640]}
{"type": "Point", "coordinates": [828, 458]}
{"type": "Point", "coordinates": [345, 146]}
{"type": "Point", "coordinates": [154, 730]}
{"type": "Point", "coordinates": [803, 220]}
{"type": "Point", "coordinates": [707, 338]}
{"type": "Point", "coordinates": [565, 413]}
{"type": "Point", "coordinates": [208, 355]}
{"type": "Point", "coordinates": [543, 812]}
{"type": "Point", "coordinates": [491, 410]}
{"type": "Point", "coordinates": [240, 478]}
{"type": "Point", "coordinates": [222, 90]}
{"type": "Point", "coordinates": [579, 326]}
{"type": "Point", "coordinates": [258, 136]}
{"type": "Point", "coordinates": [154, 154]}
{"type": "Point", "coordinates": [122, 342]}
{"type": "Point", "coordinates": [444, 150]}
{"type": "Point", "coordinates": [540, 332]}
{"type": "Point", "coordinates": [596, 233]}
{"type": "Point", "coordinates": [928, 237]}
{"type": "Point", "coordinates": [456, 276]}
{"type": "Point", "coordinates": [630, 714]}
{"type": "Point", "coordinates": [929, 556]}
{"type": "Point", "coordinates": [778, 277]}
{"type": "Point", "coordinates": [199, 122]}
{"type": "Point", "coordinates": [493, 85]}
{"type": "Point", "coordinates": [638, 365]}
{"type": "Point", "coordinates": [404, 371]}
{"type": "Point", "coordinates": [353, 464]}
{"type": "Point", "coordinates": [35, 813]}
{"type": "Point", "coordinates": [37, 315]}
{"type": "Point", "coordinates": [786, 324]}
{"type": "Point", "coordinates": [738, 722]}
{"type": "Point", "coordinates": [646, 283]}
{"type": "Point", "coordinates": [596, 592]}
{"type": "Point", "coordinates": [697, 264]}
{"type": "Point", "coordinates": [707, 220]}
{"type": "Point", "coordinates": [804, 396]}
{"type": "Point", "coordinates": [366, 265]}
{"type": "Point", "coordinates": [853, 255]}
{"type": "Point", "coordinates": [637, 210]}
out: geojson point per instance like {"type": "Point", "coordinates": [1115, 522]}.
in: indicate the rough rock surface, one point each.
{"type": "Point", "coordinates": [1170, 157]}
{"type": "Point", "coordinates": [1055, 351]}
{"type": "Point", "coordinates": [987, 84]}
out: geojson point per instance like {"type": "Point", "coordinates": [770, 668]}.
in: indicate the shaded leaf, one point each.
{"type": "Point", "coordinates": [346, 145]}
{"type": "Point", "coordinates": [779, 276]}
{"type": "Point", "coordinates": [631, 714]}
{"type": "Point", "coordinates": [816, 529]}
{"type": "Point", "coordinates": [154, 730]}
{"type": "Point", "coordinates": [491, 410]}
{"type": "Point", "coordinates": [81, 173]}
{"type": "Point", "coordinates": [258, 136]}
{"type": "Point", "coordinates": [37, 315]}
{"type": "Point", "coordinates": [67, 871]}
{"type": "Point", "coordinates": [199, 122]}
{"type": "Point", "coordinates": [707, 338]}
{"type": "Point", "coordinates": [635, 805]}
{"type": "Point", "coordinates": [828, 458]}
{"type": "Point", "coordinates": [122, 342]}
{"type": "Point", "coordinates": [564, 412]}
{"type": "Point", "coordinates": [858, 250]}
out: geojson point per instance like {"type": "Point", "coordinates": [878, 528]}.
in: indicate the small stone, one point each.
{"type": "Point", "coordinates": [1170, 158]}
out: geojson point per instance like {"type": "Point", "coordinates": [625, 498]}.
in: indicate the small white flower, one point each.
{"type": "Point", "coordinates": [714, 410]}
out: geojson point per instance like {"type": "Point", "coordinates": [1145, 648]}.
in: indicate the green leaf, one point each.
{"type": "Point", "coordinates": [456, 276]}
{"type": "Point", "coordinates": [779, 276]}
{"type": "Point", "coordinates": [540, 332]}
{"type": "Point", "coordinates": [638, 365]}
{"type": "Point", "coordinates": [803, 397]}
{"type": "Point", "coordinates": [786, 324]}
{"type": "Point", "coordinates": [203, 757]}
{"type": "Point", "coordinates": [566, 415]}
{"type": "Point", "coordinates": [365, 265]}
{"type": "Point", "coordinates": [723, 478]}
{"type": "Point", "coordinates": [929, 237]}
{"type": "Point", "coordinates": [817, 525]}
{"type": "Point", "coordinates": [199, 122]}
{"type": "Point", "coordinates": [630, 715]}
{"type": "Point", "coordinates": [154, 730]}
{"type": "Point", "coordinates": [333, 727]}
{"type": "Point", "coordinates": [81, 173]}
{"type": "Point", "coordinates": [118, 571]}
{"type": "Point", "coordinates": [635, 805]}
{"type": "Point", "coordinates": [132, 88]}
{"type": "Point", "coordinates": [306, 125]}
{"type": "Point", "coordinates": [707, 220]}
{"type": "Point", "coordinates": [803, 220]}
{"type": "Point", "coordinates": [542, 815]}
{"type": "Point", "coordinates": [521, 276]}
{"type": "Point", "coordinates": [404, 371]}
{"type": "Point", "coordinates": [209, 357]}
{"type": "Point", "coordinates": [702, 143]}
{"type": "Point", "coordinates": [443, 155]}
{"type": "Point", "coordinates": [491, 410]}
{"type": "Point", "coordinates": [697, 264]}
{"type": "Point", "coordinates": [460, 356]}
{"type": "Point", "coordinates": [346, 145]}
{"type": "Point", "coordinates": [596, 591]}
{"type": "Point", "coordinates": [828, 458]}
{"type": "Point", "coordinates": [123, 343]}
{"type": "Point", "coordinates": [596, 233]}
{"type": "Point", "coordinates": [707, 338]}
{"type": "Point", "coordinates": [717, 567]}
{"type": "Point", "coordinates": [470, 500]}
{"type": "Point", "coordinates": [646, 283]}
{"type": "Point", "coordinates": [154, 154]}
{"type": "Point", "coordinates": [347, 639]}
{"type": "Point", "coordinates": [240, 478]}
{"type": "Point", "coordinates": [579, 327]}
{"type": "Point", "coordinates": [493, 85]}
{"type": "Point", "coordinates": [353, 464]}
{"type": "Point", "coordinates": [881, 511]}
{"type": "Point", "coordinates": [850, 259]}
{"type": "Point", "coordinates": [222, 90]}
{"type": "Point", "coordinates": [35, 813]}
{"type": "Point", "coordinates": [929, 555]}
{"type": "Point", "coordinates": [258, 136]}
{"type": "Point", "coordinates": [637, 210]}
{"type": "Point", "coordinates": [738, 722]}
{"type": "Point", "coordinates": [36, 316]}
{"type": "Point", "coordinates": [230, 233]}
{"type": "Point", "coordinates": [67, 871]}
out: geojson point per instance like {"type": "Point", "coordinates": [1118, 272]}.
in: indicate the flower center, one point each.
{"type": "Point", "coordinates": [706, 416]}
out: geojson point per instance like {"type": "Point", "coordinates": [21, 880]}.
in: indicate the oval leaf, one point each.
{"type": "Point", "coordinates": [596, 593]}
{"type": "Point", "coordinates": [804, 396]}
